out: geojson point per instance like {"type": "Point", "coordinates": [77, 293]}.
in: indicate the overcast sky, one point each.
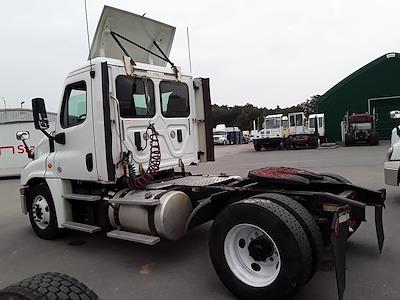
{"type": "Point", "coordinates": [267, 53]}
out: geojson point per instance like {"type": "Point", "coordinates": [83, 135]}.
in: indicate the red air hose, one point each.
{"type": "Point", "coordinates": [142, 181]}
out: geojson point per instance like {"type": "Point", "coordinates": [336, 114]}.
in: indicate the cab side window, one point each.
{"type": "Point", "coordinates": [292, 123]}
{"type": "Point", "coordinates": [74, 107]}
{"type": "Point", "coordinates": [174, 99]}
{"type": "Point", "coordinates": [299, 120]}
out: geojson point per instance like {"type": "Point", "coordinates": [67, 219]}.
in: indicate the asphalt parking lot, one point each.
{"type": "Point", "coordinates": [182, 270]}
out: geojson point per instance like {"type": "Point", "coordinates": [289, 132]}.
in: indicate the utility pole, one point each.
{"type": "Point", "coordinates": [5, 109]}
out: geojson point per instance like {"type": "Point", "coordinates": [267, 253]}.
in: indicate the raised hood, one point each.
{"type": "Point", "coordinates": [138, 29]}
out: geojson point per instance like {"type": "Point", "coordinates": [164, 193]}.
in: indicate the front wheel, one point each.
{"type": "Point", "coordinates": [260, 251]}
{"type": "Point", "coordinates": [257, 147]}
{"type": "Point", "coordinates": [42, 213]}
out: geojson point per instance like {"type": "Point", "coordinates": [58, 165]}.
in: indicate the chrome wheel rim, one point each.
{"type": "Point", "coordinates": [41, 212]}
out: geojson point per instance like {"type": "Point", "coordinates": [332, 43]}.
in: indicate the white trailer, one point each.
{"type": "Point", "coordinates": [13, 156]}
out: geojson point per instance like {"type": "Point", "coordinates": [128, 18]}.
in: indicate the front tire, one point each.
{"type": "Point", "coordinates": [42, 213]}
{"type": "Point", "coordinates": [260, 251]}
{"type": "Point", "coordinates": [257, 147]}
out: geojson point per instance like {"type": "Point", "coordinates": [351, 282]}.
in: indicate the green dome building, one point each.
{"type": "Point", "coordinates": [374, 87]}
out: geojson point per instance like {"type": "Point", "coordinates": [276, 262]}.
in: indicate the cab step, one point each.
{"type": "Point", "coordinates": [134, 237]}
{"type": "Point", "coordinates": [135, 201]}
{"type": "Point", "coordinates": [81, 227]}
{"type": "Point", "coordinates": [81, 197]}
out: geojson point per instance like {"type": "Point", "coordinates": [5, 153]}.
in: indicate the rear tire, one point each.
{"type": "Point", "coordinates": [348, 140]}
{"type": "Point", "coordinates": [42, 213]}
{"type": "Point", "coordinates": [242, 259]}
{"type": "Point", "coordinates": [306, 220]}
{"type": "Point", "coordinates": [48, 286]}
{"type": "Point", "coordinates": [373, 139]}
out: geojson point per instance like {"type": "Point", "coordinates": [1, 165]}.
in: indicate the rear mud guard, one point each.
{"type": "Point", "coordinates": [379, 226]}
{"type": "Point", "coordinates": [340, 231]}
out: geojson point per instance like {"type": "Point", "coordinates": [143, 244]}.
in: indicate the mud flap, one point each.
{"type": "Point", "coordinates": [379, 226]}
{"type": "Point", "coordinates": [340, 232]}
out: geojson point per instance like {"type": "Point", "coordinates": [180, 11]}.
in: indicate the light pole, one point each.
{"type": "Point", "coordinates": [22, 103]}
{"type": "Point", "coordinates": [5, 109]}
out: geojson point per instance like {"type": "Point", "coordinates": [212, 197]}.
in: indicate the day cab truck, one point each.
{"type": "Point", "coordinates": [301, 134]}
{"type": "Point", "coordinates": [220, 135]}
{"type": "Point", "coordinates": [274, 133]}
{"type": "Point", "coordinates": [127, 126]}
{"type": "Point", "coordinates": [360, 128]}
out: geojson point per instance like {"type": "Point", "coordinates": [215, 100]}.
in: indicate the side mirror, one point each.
{"type": "Point", "coordinates": [395, 114]}
{"type": "Point", "coordinates": [39, 114]}
{"type": "Point", "coordinates": [22, 135]}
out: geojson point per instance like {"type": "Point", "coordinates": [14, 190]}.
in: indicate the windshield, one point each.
{"type": "Point", "coordinates": [272, 123]}
{"type": "Point", "coordinates": [360, 119]}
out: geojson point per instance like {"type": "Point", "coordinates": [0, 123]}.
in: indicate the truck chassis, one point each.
{"type": "Point", "coordinates": [259, 221]}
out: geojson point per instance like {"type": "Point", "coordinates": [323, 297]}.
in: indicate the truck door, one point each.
{"type": "Point", "coordinates": [296, 122]}
{"type": "Point", "coordinates": [178, 120]}
{"type": "Point", "coordinates": [76, 158]}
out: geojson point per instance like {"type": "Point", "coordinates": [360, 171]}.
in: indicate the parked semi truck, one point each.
{"type": "Point", "coordinates": [291, 132]}
{"type": "Point", "coordinates": [360, 128]}
{"type": "Point", "coordinates": [126, 128]}
{"type": "Point", "coordinates": [300, 132]}
{"type": "Point", "coordinates": [274, 134]}
{"type": "Point", "coordinates": [220, 135]}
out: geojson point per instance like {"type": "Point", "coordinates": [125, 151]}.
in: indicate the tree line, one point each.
{"type": "Point", "coordinates": [242, 116]}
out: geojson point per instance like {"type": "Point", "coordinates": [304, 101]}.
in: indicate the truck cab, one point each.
{"type": "Point", "coordinates": [392, 163]}
{"type": "Point", "coordinates": [273, 134]}
{"type": "Point", "coordinates": [220, 135]}
{"type": "Point", "coordinates": [274, 126]}
{"type": "Point", "coordinates": [300, 133]}
{"type": "Point", "coordinates": [120, 118]}
{"type": "Point", "coordinates": [316, 122]}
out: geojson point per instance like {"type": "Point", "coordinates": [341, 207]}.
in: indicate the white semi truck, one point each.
{"type": "Point", "coordinates": [220, 135]}
{"type": "Point", "coordinates": [126, 120]}
{"type": "Point", "coordinates": [301, 134]}
{"type": "Point", "coordinates": [274, 133]}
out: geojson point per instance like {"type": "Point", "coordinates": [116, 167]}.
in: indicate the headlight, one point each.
{"type": "Point", "coordinates": [389, 153]}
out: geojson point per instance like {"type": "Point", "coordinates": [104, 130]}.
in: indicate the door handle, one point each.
{"type": "Point", "coordinates": [138, 141]}
{"type": "Point", "coordinates": [89, 162]}
{"type": "Point", "coordinates": [179, 134]}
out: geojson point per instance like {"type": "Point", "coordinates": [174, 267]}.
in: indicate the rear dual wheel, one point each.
{"type": "Point", "coordinates": [260, 250]}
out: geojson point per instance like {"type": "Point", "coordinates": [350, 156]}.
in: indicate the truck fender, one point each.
{"type": "Point", "coordinates": [57, 188]}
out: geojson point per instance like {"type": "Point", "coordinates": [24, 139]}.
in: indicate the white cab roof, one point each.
{"type": "Point", "coordinates": [316, 115]}
{"type": "Point", "coordinates": [274, 116]}
{"type": "Point", "coordinates": [138, 29]}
